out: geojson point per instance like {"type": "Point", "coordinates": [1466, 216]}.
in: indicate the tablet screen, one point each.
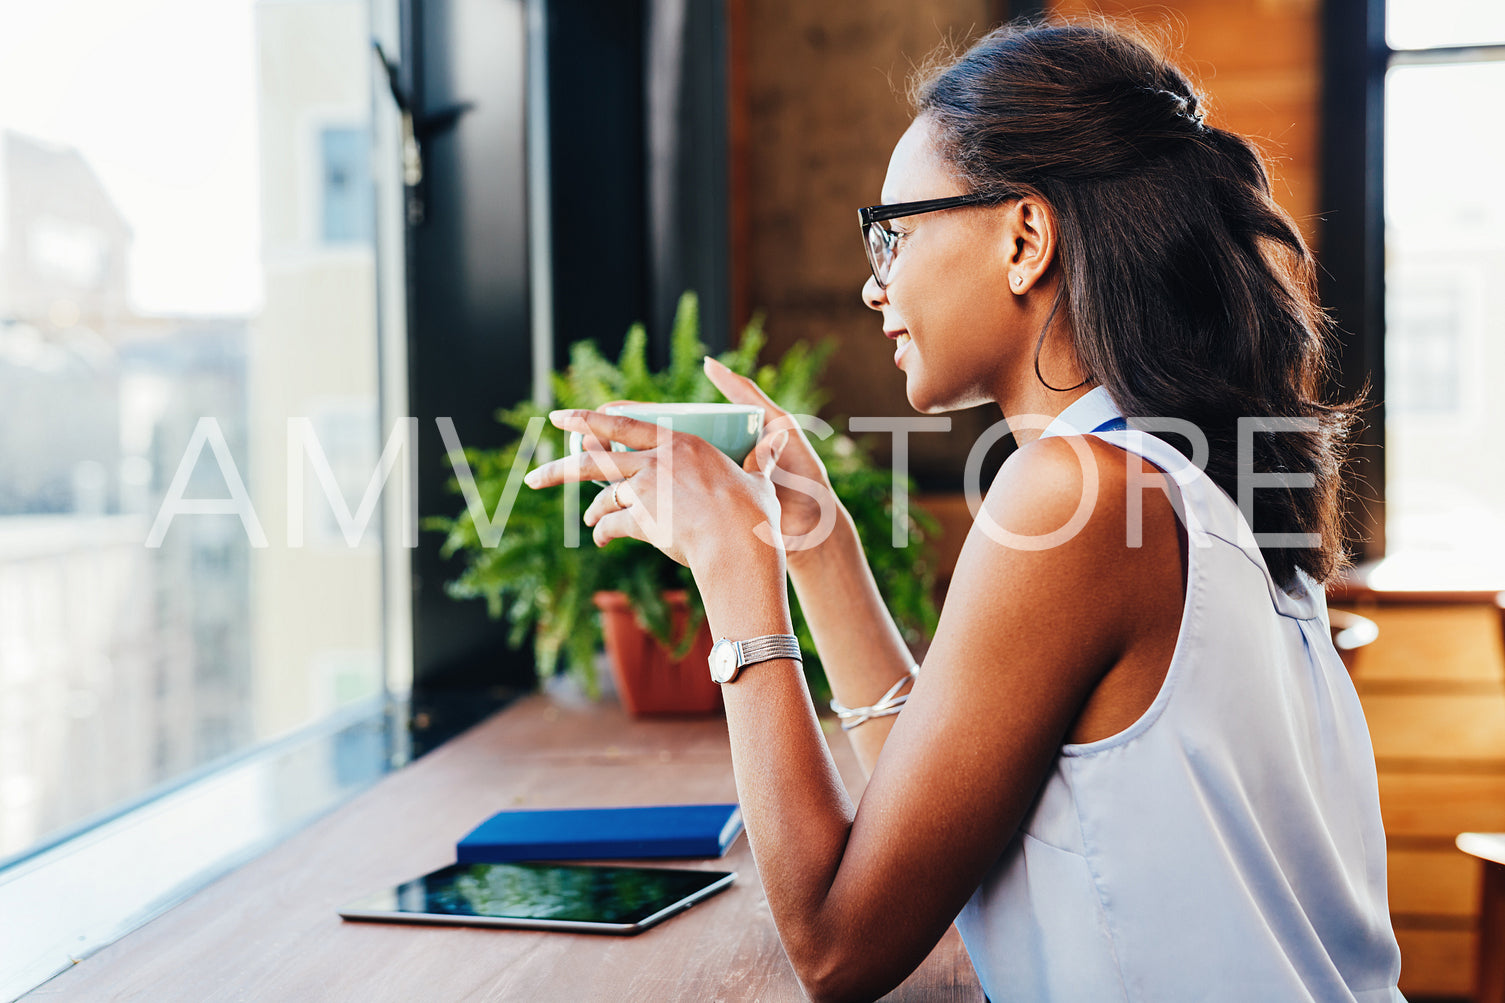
{"type": "Point", "coordinates": [568, 896]}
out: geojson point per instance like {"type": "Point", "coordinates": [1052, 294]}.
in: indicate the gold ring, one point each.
{"type": "Point", "coordinates": [614, 499]}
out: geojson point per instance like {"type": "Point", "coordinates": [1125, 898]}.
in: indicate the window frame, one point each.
{"type": "Point", "coordinates": [80, 889]}
{"type": "Point", "coordinates": [92, 879]}
{"type": "Point", "coordinates": [1351, 244]}
{"type": "Point", "coordinates": [1356, 56]}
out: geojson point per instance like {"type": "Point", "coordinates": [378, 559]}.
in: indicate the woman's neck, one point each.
{"type": "Point", "coordinates": [1044, 405]}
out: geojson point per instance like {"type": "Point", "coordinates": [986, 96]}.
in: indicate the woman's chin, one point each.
{"type": "Point", "coordinates": [926, 400]}
{"type": "Point", "coordinates": [924, 403]}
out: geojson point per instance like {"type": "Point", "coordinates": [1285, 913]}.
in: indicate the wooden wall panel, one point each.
{"type": "Point", "coordinates": [1257, 62]}
{"type": "Point", "coordinates": [1433, 689]}
{"type": "Point", "coordinates": [825, 105]}
{"type": "Point", "coordinates": [1441, 805]}
{"type": "Point", "coordinates": [1430, 644]}
{"type": "Point", "coordinates": [1466, 730]}
{"type": "Point", "coordinates": [1436, 962]}
{"type": "Point", "coordinates": [1435, 882]}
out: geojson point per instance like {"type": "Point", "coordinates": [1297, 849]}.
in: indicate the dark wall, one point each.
{"type": "Point", "coordinates": [468, 324]}
{"type": "Point", "coordinates": [597, 171]}
{"type": "Point", "coordinates": [685, 100]}
{"type": "Point", "coordinates": [638, 213]}
{"type": "Point", "coordinates": [638, 168]}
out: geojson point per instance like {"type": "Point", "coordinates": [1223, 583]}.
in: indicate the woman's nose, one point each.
{"type": "Point", "coordinates": [872, 295]}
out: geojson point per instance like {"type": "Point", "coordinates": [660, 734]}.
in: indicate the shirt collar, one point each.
{"type": "Point", "coordinates": [1090, 412]}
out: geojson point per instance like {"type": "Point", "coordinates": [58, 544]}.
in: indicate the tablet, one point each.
{"type": "Point", "coordinates": [573, 897]}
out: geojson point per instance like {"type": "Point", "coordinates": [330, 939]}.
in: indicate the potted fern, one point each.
{"type": "Point", "coordinates": [559, 594]}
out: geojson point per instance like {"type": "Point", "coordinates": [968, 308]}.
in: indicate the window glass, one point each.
{"type": "Point", "coordinates": [186, 264]}
{"type": "Point", "coordinates": [1445, 314]}
{"type": "Point", "coordinates": [1421, 24]}
{"type": "Point", "coordinates": [346, 184]}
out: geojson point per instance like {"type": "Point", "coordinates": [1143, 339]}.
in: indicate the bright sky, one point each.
{"type": "Point", "coordinates": [1444, 152]}
{"type": "Point", "coordinates": [1418, 24]}
{"type": "Point", "coordinates": [159, 96]}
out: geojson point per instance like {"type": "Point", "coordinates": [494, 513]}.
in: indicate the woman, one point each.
{"type": "Point", "coordinates": [1133, 766]}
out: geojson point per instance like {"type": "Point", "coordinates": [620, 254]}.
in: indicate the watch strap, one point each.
{"type": "Point", "coordinates": [761, 649]}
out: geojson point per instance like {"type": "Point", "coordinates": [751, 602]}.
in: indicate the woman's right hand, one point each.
{"type": "Point", "coordinates": [808, 507]}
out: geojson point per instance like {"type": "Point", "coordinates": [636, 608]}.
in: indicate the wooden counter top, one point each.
{"type": "Point", "coordinates": [269, 931]}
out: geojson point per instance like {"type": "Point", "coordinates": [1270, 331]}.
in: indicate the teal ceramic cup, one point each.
{"type": "Point", "coordinates": [732, 428]}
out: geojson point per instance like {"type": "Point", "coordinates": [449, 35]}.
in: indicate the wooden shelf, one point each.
{"type": "Point", "coordinates": [270, 930]}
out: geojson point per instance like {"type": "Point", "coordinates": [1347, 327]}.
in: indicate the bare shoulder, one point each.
{"type": "Point", "coordinates": [1061, 480]}
{"type": "Point", "coordinates": [1055, 524]}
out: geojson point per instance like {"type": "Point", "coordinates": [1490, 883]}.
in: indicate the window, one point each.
{"type": "Point", "coordinates": [1429, 328]}
{"type": "Point", "coordinates": [1432, 24]}
{"type": "Point", "coordinates": [1444, 242]}
{"type": "Point", "coordinates": [346, 434]}
{"type": "Point", "coordinates": [349, 201]}
{"type": "Point", "coordinates": [173, 291]}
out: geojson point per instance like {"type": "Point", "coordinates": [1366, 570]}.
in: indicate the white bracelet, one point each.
{"type": "Point", "coordinates": [890, 704]}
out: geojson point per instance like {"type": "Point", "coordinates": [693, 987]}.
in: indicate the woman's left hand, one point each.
{"type": "Point", "coordinates": [673, 490]}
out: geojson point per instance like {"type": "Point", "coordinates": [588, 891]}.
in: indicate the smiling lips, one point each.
{"type": "Point", "coordinates": [902, 339]}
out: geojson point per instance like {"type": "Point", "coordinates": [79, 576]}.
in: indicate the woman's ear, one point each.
{"type": "Point", "coordinates": [1029, 233]}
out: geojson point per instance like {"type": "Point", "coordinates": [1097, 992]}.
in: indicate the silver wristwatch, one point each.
{"type": "Point", "coordinates": [728, 657]}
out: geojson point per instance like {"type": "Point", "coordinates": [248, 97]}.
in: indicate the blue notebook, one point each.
{"type": "Point", "coordinates": [691, 830]}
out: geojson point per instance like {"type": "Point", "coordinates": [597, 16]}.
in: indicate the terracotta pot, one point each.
{"type": "Point", "coordinates": [648, 680]}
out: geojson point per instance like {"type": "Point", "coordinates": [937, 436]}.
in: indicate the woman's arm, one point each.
{"type": "Point", "coordinates": [860, 898]}
{"type": "Point", "coordinates": [861, 648]}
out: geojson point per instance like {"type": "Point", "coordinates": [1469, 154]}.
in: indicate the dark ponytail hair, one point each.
{"type": "Point", "coordinates": [1189, 292]}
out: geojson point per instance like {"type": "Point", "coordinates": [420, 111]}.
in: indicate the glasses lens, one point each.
{"type": "Point", "coordinates": [880, 250]}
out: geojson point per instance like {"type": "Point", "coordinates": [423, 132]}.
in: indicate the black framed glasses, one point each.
{"type": "Point", "coordinates": [883, 244]}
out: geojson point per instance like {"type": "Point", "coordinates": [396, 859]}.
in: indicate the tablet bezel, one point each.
{"type": "Point", "coordinates": [374, 907]}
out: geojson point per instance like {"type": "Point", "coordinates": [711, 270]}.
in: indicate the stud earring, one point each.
{"type": "Point", "coordinates": [1017, 281]}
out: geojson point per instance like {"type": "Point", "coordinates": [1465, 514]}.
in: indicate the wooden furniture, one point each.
{"type": "Point", "coordinates": [269, 931]}
{"type": "Point", "coordinates": [1500, 612]}
{"type": "Point", "coordinates": [1490, 848]}
{"type": "Point", "coordinates": [1433, 689]}
{"type": "Point", "coordinates": [1351, 633]}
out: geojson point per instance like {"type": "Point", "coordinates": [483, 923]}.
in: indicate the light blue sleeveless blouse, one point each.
{"type": "Point", "coordinates": [1227, 846]}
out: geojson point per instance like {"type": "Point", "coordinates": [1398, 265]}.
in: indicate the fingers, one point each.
{"type": "Point", "coordinates": [604, 502]}
{"type": "Point", "coordinates": [616, 525]}
{"type": "Point", "coordinates": [739, 389]}
{"type": "Point", "coordinates": [595, 465]}
{"type": "Point", "coordinates": [765, 455]}
{"type": "Point", "coordinates": [610, 516]}
{"type": "Point", "coordinates": [629, 432]}
{"type": "Point", "coordinates": [613, 499]}
{"type": "Point", "coordinates": [589, 439]}
{"type": "Point", "coordinates": [776, 447]}
{"type": "Point", "coordinates": [776, 437]}
{"type": "Point", "coordinates": [783, 421]}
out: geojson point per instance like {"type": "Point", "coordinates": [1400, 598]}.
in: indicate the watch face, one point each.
{"type": "Point", "coordinates": [723, 661]}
